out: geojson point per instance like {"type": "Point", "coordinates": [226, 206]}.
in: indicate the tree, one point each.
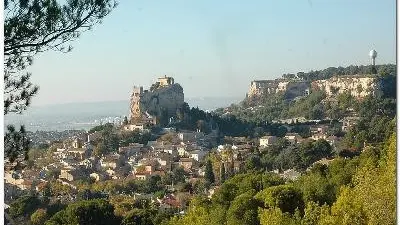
{"type": "Point", "coordinates": [137, 217]}
{"type": "Point", "coordinates": [223, 176]}
{"type": "Point", "coordinates": [274, 216]}
{"type": "Point", "coordinates": [316, 187]}
{"type": "Point", "coordinates": [39, 217]}
{"type": "Point", "coordinates": [16, 143]}
{"type": "Point", "coordinates": [285, 197]}
{"type": "Point", "coordinates": [178, 175]}
{"type": "Point", "coordinates": [199, 187]}
{"type": "Point", "coordinates": [24, 205]}
{"type": "Point", "coordinates": [315, 214]}
{"type": "Point", "coordinates": [253, 163]}
{"type": "Point", "coordinates": [243, 210]}
{"type": "Point", "coordinates": [225, 194]}
{"type": "Point", "coordinates": [31, 27]}
{"type": "Point", "coordinates": [98, 211]}
{"type": "Point", "coordinates": [209, 173]}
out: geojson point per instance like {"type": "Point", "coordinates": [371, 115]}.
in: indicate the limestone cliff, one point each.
{"type": "Point", "coordinates": [359, 86]}
{"type": "Point", "coordinates": [291, 88]}
{"type": "Point", "coordinates": [162, 101]}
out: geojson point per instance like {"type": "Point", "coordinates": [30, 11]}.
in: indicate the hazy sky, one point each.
{"type": "Point", "coordinates": [214, 48]}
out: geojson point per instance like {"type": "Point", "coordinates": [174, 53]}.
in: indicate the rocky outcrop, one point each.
{"type": "Point", "coordinates": [291, 88]}
{"type": "Point", "coordinates": [161, 102]}
{"type": "Point", "coordinates": [296, 89]}
{"type": "Point", "coordinates": [262, 87]}
{"type": "Point", "coordinates": [165, 100]}
{"type": "Point", "coordinates": [358, 86]}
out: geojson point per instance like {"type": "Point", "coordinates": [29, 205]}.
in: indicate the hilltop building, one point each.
{"type": "Point", "coordinates": [159, 103]}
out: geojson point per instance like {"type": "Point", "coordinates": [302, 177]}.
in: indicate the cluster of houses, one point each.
{"type": "Point", "coordinates": [76, 160]}
{"type": "Point", "coordinates": [317, 132]}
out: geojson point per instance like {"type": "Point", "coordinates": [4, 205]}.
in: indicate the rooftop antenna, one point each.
{"type": "Point", "coordinates": [373, 54]}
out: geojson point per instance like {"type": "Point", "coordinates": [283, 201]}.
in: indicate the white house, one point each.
{"type": "Point", "coordinates": [267, 140]}
{"type": "Point", "coordinates": [198, 155]}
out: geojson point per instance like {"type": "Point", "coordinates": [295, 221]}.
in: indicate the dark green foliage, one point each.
{"type": "Point", "coordinates": [253, 163]}
{"type": "Point", "coordinates": [178, 175]}
{"type": "Point", "coordinates": [222, 175]}
{"type": "Point", "coordinates": [375, 125]}
{"type": "Point", "coordinates": [225, 194]}
{"type": "Point", "coordinates": [24, 206]}
{"type": "Point", "coordinates": [87, 194]}
{"type": "Point", "coordinates": [288, 158]}
{"type": "Point", "coordinates": [341, 171]}
{"type": "Point", "coordinates": [161, 217]}
{"type": "Point", "coordinates": [242, 183]}
{"type": "Point", "coordinates": [153, 184]}
{"type": "Point", "coordinates": [127, 137]}
{"type": "Point", "coordinates": [285, 197]}
{"type": "Point", "coordinates": [199, 187]}
{"type": "Point", "coordinates": [283, 156]}
{"type": "Point", "coordinates": [311, 152]}
{"type": "Point", "coordinates": [138, 217]}
{"type": "Point", "coordinates": [16, 143]}
{"type": "Point", "coordinates": [389, 87]}
{"type": "Point", "coordinates": [309, 107]}
{"type": "Point", "coordinates": [96, 211]}
{"type": "Point", "coordinates": [209, 173]}
{"type": "Point", "coordinates": [338, 71]}
{"type": "Point", "coordinates": [109, 141]}
{"type": "Point", "coordinates": [107, 126]}
{"type": "Point", "coordinates": [316, 188]}
{"type": "Point", "coordinates": [32, 27]}
{"type": "Point", "coordinates": [39, 217]}
{"type": "Point", "coordinates": [302, 130]}
{"type": "Point", "coordinates": [243, 210]}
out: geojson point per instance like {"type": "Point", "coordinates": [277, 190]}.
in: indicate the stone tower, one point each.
{"type": "Point", "coordinates": [165, 81]}
{"type": "Point", "coordinates": [135, 105]}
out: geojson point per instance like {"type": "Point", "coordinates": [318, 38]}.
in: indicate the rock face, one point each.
{"type": "Point", "coordinates": [291, 89]}
{"type": "Point", "coordinates": [162, 101]}
{"type": "Point", "coordinates": [359, 86]}
{"type": "Point", "coordinates": [296, 89]}
{"type": "Point", "coordinates": [261, 87]}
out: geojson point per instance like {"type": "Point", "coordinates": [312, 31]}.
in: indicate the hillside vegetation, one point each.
{"type": "Point", "coordinates": [315, 106]}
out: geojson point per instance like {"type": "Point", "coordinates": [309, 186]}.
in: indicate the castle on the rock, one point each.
{"type": "Point", "coordinates": [160, 102]}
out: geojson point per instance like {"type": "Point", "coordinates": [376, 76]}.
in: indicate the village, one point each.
{"type": "Point", "coordinates": [74, 161]}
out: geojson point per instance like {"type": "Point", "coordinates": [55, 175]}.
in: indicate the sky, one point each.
{"type": "Point", "coordinates": [213, 48]}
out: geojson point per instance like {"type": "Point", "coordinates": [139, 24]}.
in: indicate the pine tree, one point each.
{"type": "Point", "coordinates": [32, 27]}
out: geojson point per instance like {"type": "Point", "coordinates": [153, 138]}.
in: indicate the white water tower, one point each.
{"type": "Point", "coordinates": [373, 54]}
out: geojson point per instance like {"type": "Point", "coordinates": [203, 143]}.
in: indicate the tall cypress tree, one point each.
{"type": "Point", "coordinates": [209, 173]}
{"type": "Point", "coordinates": [223, 175]}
